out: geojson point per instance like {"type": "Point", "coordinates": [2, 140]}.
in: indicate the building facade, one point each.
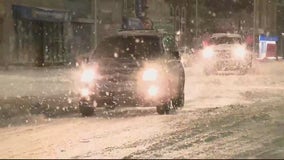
{"type": "Point", "coordinates": [269, 17]}
{"type": "Point", "coordinates": [58, 31]}
{"type": "Point", "coordinates": [55, 31]}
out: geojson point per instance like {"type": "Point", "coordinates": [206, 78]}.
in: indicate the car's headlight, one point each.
{"type": "Point", "coordinates": [208, 52]}
{"type": "Point", "coordinates": [88, 75]}
{"type": "Point", "coordinates": [239, 52]}
{"type": "Point", "coordinates": [150, 74]}
{"type": "Point", "coordinates": [153, 90]}
{"type": "Point", "coordinates": [85, 92]}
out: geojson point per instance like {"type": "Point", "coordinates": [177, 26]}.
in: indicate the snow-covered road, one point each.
{"type": "Point", "coordinates": [224, 117]}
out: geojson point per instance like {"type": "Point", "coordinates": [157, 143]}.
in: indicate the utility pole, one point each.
{"type": "Point", "coordinates": [196, 18]}
{"type": "Point", "coordinates": [254, 24]}
{"type": "Point", "coordinates": [124, 8]}
{"type": "Point", "coordinates": [96, 22]}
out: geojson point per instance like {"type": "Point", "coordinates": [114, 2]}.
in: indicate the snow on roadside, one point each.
{"type": "Point", "coordinates": [35, 82]}
{"type": "Point", "coordinates": [251, 128]}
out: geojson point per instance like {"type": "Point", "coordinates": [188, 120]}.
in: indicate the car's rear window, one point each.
{"type": "Point", "coordinates": [225, 40]}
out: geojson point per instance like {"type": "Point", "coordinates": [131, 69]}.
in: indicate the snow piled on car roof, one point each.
{"type": "Point", "coordinates": [231, 35]}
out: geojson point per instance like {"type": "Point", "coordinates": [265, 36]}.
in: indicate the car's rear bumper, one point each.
{"type": "Point", "coordinates": [227, 64]}
{"type": "Point", "coordinates": [231, 64]}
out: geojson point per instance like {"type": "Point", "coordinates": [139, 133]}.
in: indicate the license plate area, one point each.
{"type": "Point", "coordinates": [227, 65]}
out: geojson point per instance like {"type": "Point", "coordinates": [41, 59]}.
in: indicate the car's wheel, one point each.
{"type": "Point", "coordinates": [179, 101]}
{"type": "Point", "coordinates": [86, 110]}
{"type": "Point", "coordinates": [163, 109]}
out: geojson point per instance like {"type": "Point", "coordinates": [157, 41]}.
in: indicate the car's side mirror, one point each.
{"type": "Point", "coordinates": [176, 54]}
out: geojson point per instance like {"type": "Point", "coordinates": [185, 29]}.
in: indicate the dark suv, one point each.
{"type": "Point", "coordinates": [139, 66]}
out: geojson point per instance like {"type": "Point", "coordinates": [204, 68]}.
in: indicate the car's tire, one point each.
{"type": "Point", "coordinates": [163, 109]}
{"type": "Point", "coordinates": [86, 110]}
{"type": "Point", "coordinates": [179, 101]}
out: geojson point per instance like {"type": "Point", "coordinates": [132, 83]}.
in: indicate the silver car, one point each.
{"type": "Point", "coordinates": [226, 53]}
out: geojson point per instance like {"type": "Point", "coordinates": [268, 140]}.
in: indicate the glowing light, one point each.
{"type": "Point", "coordinates": [88, 76]}
{"type": "Point", "coordinates": [153, 90]}
{"type": "Point", "coordinates": [178, 32]}
{"type": "Point", "coordinates": [85, 92]}
{"type": "Point", "coordinates": [150, 74]}
{"type": "Point", "coordinates": [208, 52]}
{"type": "Point", "coordinates": [239, 52]}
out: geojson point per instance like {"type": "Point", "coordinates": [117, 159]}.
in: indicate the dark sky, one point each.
{"type": "Point", "coordinates": [219, 6]}
{"type": "Point", "coordinates": [228, 5]}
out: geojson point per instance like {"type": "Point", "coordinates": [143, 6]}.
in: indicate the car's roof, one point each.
{"type": "Point", "coordinates": [139, 33]}
{"type": "Point", "coordinates": [231, 35]}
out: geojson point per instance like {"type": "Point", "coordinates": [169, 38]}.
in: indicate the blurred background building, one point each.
{"type": "Point", "coordinates": [57, 31]}
{"type": "Point", "coordinates": [54, 32]}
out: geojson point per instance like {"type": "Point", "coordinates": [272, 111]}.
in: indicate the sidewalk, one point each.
{"type": "Point", "coordinates": [33, 91]}
{"type": "Point", "coordinates": [33, 81]}
{"type": "Point", "coordinates": [270, 59]}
